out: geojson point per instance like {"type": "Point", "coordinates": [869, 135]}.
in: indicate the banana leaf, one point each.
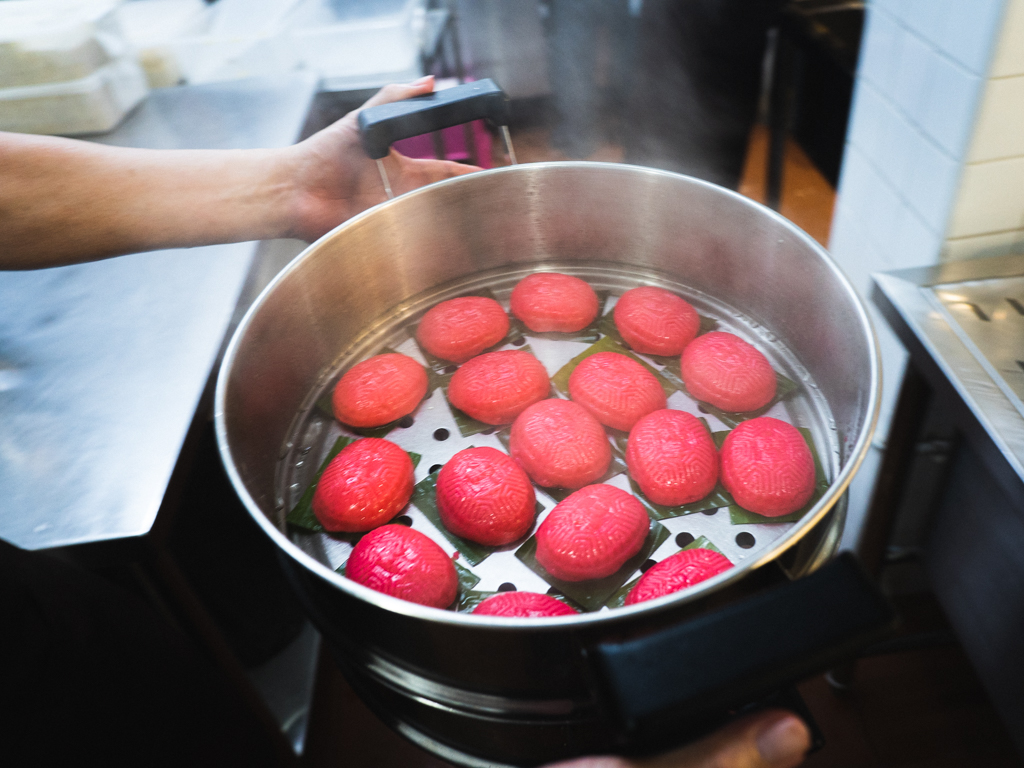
{"type": "Point", "coordinates": [620, 441]}
{"type": "Point", "coordinates": [467, 579]}
{"type": "Point", "coordinates": [468, 426]}
{"type": "Point", "coordinates": [424, 497]}
{"type": "Point", "coordinates": [468, 600]}
{"type": "Point", "coordinates": [591, 595]}
{"type": "Point", "coordinates": [719, 497]}
{"type": "Point", "coordinates": [606, 344]}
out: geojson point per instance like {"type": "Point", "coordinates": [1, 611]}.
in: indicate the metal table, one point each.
{"type": "Point", "coordinates": [105, 373]}
{"type": "Point", "coordinates": [961, 413]}
{"type": "Point", "coordinates": [103, 365]}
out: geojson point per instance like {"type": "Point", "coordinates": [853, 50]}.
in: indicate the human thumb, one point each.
{"type": "Point", "coordinates": [401, 91]}
{"type": "Point", "coordinates": [769, 739]}
{"type": "Point", "coordinates": [783, 742]}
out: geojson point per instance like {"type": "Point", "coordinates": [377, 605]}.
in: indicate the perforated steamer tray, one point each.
{"type": "Point", "coordinates": [435, 435]}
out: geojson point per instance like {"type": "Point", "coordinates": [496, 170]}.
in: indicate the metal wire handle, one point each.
{"type": "Point", "coordinates": [505, 135]}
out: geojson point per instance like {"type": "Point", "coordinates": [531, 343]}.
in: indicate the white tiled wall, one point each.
{"type": "Point", "coordinates": [922, 74]}
{"type": "Point", "coordinates": [922, 71]}
{"type": "Point", "coordinates": [988, 215]}
{"type": "Point", "coordinates": [1009, 57]}
{"type": "Point", "coordinates": [1000, 129]}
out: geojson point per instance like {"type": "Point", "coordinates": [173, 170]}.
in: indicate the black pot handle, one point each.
{"type": "Point", "coordinates": [675, 685]}
{"type": "Point", "coordinates": [385, 124]}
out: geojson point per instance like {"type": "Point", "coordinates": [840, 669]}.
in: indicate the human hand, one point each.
{"type": "Point", "coordinates": [335, 180]}
{"type": "Point", "coordinates": [51, 212]}
{"type": "Point", "coordinates": [769, 739]}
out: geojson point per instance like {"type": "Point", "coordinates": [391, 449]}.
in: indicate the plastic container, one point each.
{"type": "Point", "coordinates": [52, 41]}
{"type": "Point", "coordinates": [151, 26]}
{"type": "Point", "coordinates": [360, 44]}
{"type": "Point", "coordinates": [352, 45]}
{"type": "Point", "coordinates": [92, 104]}
{"type": "Point", "coordinates": [362, 54]}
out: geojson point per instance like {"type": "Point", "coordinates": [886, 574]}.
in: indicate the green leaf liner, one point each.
{"type": "Point", "coordinates": [424, 497]}
{"type": "Point", "coordinates": [438, 379]}
{"type": "Point", "coordinates": [707, 324]}
{"type": "Point", "coordinates": [673, 371]}
{"type": "Point", "coordinates": [468, 426]}
{"type": "Point", "coordinates": [591, 595]}
{"type": "Point", "coordinates": [302, 515]}
{"type": "Point", "coordinates": [381, 431]}
{"type": "Point", "coordinates": [587, 335]}
{"type": "Point", "coordinates": [606, 344]}
{"type": "Point", "coordinates": [325, 404]}
{"type": "Point", "coordinates": [717, 498]}
{"type": "Point", "coordinates": [619, 598]}
{"type": "Point", "coordinates": [740, 516]}
{"type": "Point", "coordinates": [467, 579]}
{"type": "Point", "coordinates": [620, 440]}
{"type": "Point", "coordinates": [470, 599]}
{"type": "Point", "coordinates": [505, 436]}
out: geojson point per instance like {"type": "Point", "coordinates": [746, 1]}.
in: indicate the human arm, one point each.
{"type": "Point", "coordinates": [64, 201]}
{"type": "Point", "coordinates": [769, 739]}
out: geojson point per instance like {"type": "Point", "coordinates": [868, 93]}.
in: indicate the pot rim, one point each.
{"type": "Point", "coordinates": [625, 613]}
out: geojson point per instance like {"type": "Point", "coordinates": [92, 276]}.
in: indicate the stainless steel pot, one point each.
{"type": "Point", "coordinates": [505, 691]}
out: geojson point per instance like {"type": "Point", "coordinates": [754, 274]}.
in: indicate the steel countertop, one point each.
{"type": "Point", "coordinates": [912, 302]}
{"type": "Point", "coordinates": [103, 365]}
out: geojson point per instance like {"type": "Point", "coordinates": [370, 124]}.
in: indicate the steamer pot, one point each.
{"type": "Point", "coordinates": [488, 691]}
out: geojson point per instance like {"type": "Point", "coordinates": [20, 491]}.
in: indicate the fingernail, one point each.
{"type": "Point", "coordinates": [784, 742]}
{"type": "Point", "coordinates": [422, 80]}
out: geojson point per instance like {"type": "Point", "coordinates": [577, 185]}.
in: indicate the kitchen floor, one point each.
{"type": "Point", "coordinates": [909, 709]}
